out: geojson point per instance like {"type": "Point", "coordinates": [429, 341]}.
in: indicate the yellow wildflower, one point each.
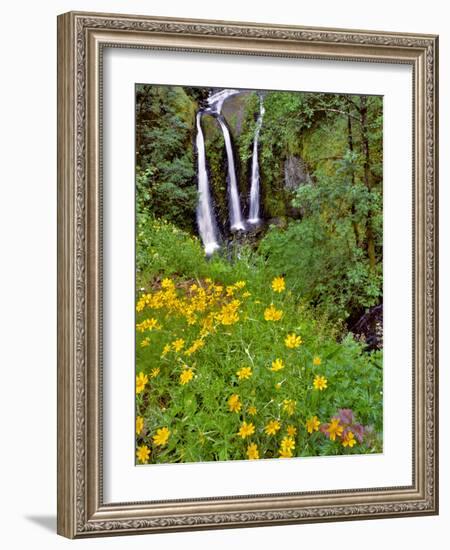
{"type": "Point", "coordinates": [285, 453]}
{"type": "Point", "coordinates": [142, 302]}
{"type": "Point", "coordinates": [240, 284]}
{"type": "Point", "coordinates": [234, 403]}
{"type": "Point", "coordinates": [348, 440]}
{"type": "Point", "coordinates": [165, 350]}
{"type": "Point", "coordinates": [277, 365]}
{"type": "Point", "coordinates": [292, 341]}
{"type": "Point", "coordinates": [148, 324]}
{"type": "Point", "coordinates": [230, 290]}
{"type": "Point", "coordinates": [246, 294]}
{"type": "Point", "coordinates": [320, 382]}
{"type": "Point", "coordinates": [178, 344]}
{"type": "Point", "coordinates": [272, 313]}
{"type": "Point", "coordinates": [145, 342]}
{"type": "Point", "coordinates": [252, 451]}
{"type": "Point", "coordinates": [157, 301]}
{"type": "Point", "coordinates": [287, 443]}
{"type": "Point", "coordinates": [154, 372]}
{"type": "Point", "coordinates": [291, 430]}
{"type": "Point", "coordinates": [161, 437]}
{"type": "Point", "coordinates": [143, 453]}
{"type": "Point", "coordinates": [252, 410]}
{"type": "Point", "coordinates": [334, 428]}
{"type": "Point", "coordinates": [246, 429]}
{"type": "Point", "coordinates": [205, 332]}
{"type": "Point", "coordinates": [186, 376]}
{"type": "Point", "coordinates": [317, 361]}
{"type": "Point", "coordinates": [272, 427]}
{"type": "Point", "coordinates": [228, 314]}
{"type": "Point", "coordinates": [167, 284]}
{"type": "Point", "coordinates": [244, 373]}
{"type": "Point", "coordinates": [278, 284]}
{"type": "Point", "coordinates": [139, 424]}
{"type": "Point", "coordinates": [208, 324]}
{"type": "Point", "coordinates": [196, 345]}
{"type": "Point", "coordinates": [312, 424]}
{"type": "Point", "coordinates": [141, 381]}
{"type": "Point", "coordinates": [191, 318]}
{"type": "Point", "coordinates": [289, 406]}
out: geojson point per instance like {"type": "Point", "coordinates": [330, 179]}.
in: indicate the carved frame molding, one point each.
{"type": "Point", "coordinates": [81, 39]}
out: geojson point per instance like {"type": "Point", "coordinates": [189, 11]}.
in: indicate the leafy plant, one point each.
{"type": "Point", "coordinates": [223, 348]}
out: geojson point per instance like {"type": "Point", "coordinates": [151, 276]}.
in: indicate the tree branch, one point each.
{"type": "Point", "coordinates": [344, 113]}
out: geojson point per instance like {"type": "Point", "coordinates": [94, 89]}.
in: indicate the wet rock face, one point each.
{"type": "Point", "coordinates": [295, 173]}
{"type": "Point", "coordinates": [233, 110]}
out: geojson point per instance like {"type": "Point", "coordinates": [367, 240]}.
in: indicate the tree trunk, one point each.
{"type": "Point", "coordinates": [350, 146]}
{"type": "Point", "coordinates": [367, 179]}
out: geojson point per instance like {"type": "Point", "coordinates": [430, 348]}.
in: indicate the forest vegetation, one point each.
{"type": "Point", "coordinates": [271, 347]}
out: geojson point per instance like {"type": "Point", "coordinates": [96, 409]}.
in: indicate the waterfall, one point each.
{"type": "Point", "coordinates": [236, 221]}
{"type": "Point", "coordinates": [253, 215]}
{"type": "Point", "coordinates": [215, 100]}
{"type": "Point", "coordinates": [205, 216]}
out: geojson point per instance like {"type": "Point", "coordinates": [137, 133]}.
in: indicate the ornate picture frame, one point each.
{"type": "Point", "coordinates": [82, 38]}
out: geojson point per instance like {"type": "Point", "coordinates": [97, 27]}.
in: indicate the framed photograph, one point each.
{"type": "Point", "coordinates": [247, 276]}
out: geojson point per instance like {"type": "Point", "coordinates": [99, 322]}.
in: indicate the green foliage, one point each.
{"type": "Point", "coordinates": [164, 248]}
{"type": "Point", "coordinates": [335, 218]}
{"type": "Point", "coordinates": [197, 413]}
{"type": "Point", "coordinates": [165, 175]}
{"type": "Point", "coordinates": [322, 251]}
{"type": "Point", "coordinates": [328, 271]}
{"type": "Point", "coordinates": [322, 234]}
{"type": "Point", "coordinates": [333, 238]}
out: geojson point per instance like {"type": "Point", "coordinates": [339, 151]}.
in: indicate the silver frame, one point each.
{"type": "Point", "coordinates": [81, 39]}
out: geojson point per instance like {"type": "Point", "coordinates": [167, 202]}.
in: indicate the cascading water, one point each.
{"type": "Point", "coordinates": [205, 216]}
{"type": "Point", "coordinates": [215, 100]}
{"type": "Point", "coordinates": [253, 215]}
{"type": "Point", "coordinates": [236, 221]}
